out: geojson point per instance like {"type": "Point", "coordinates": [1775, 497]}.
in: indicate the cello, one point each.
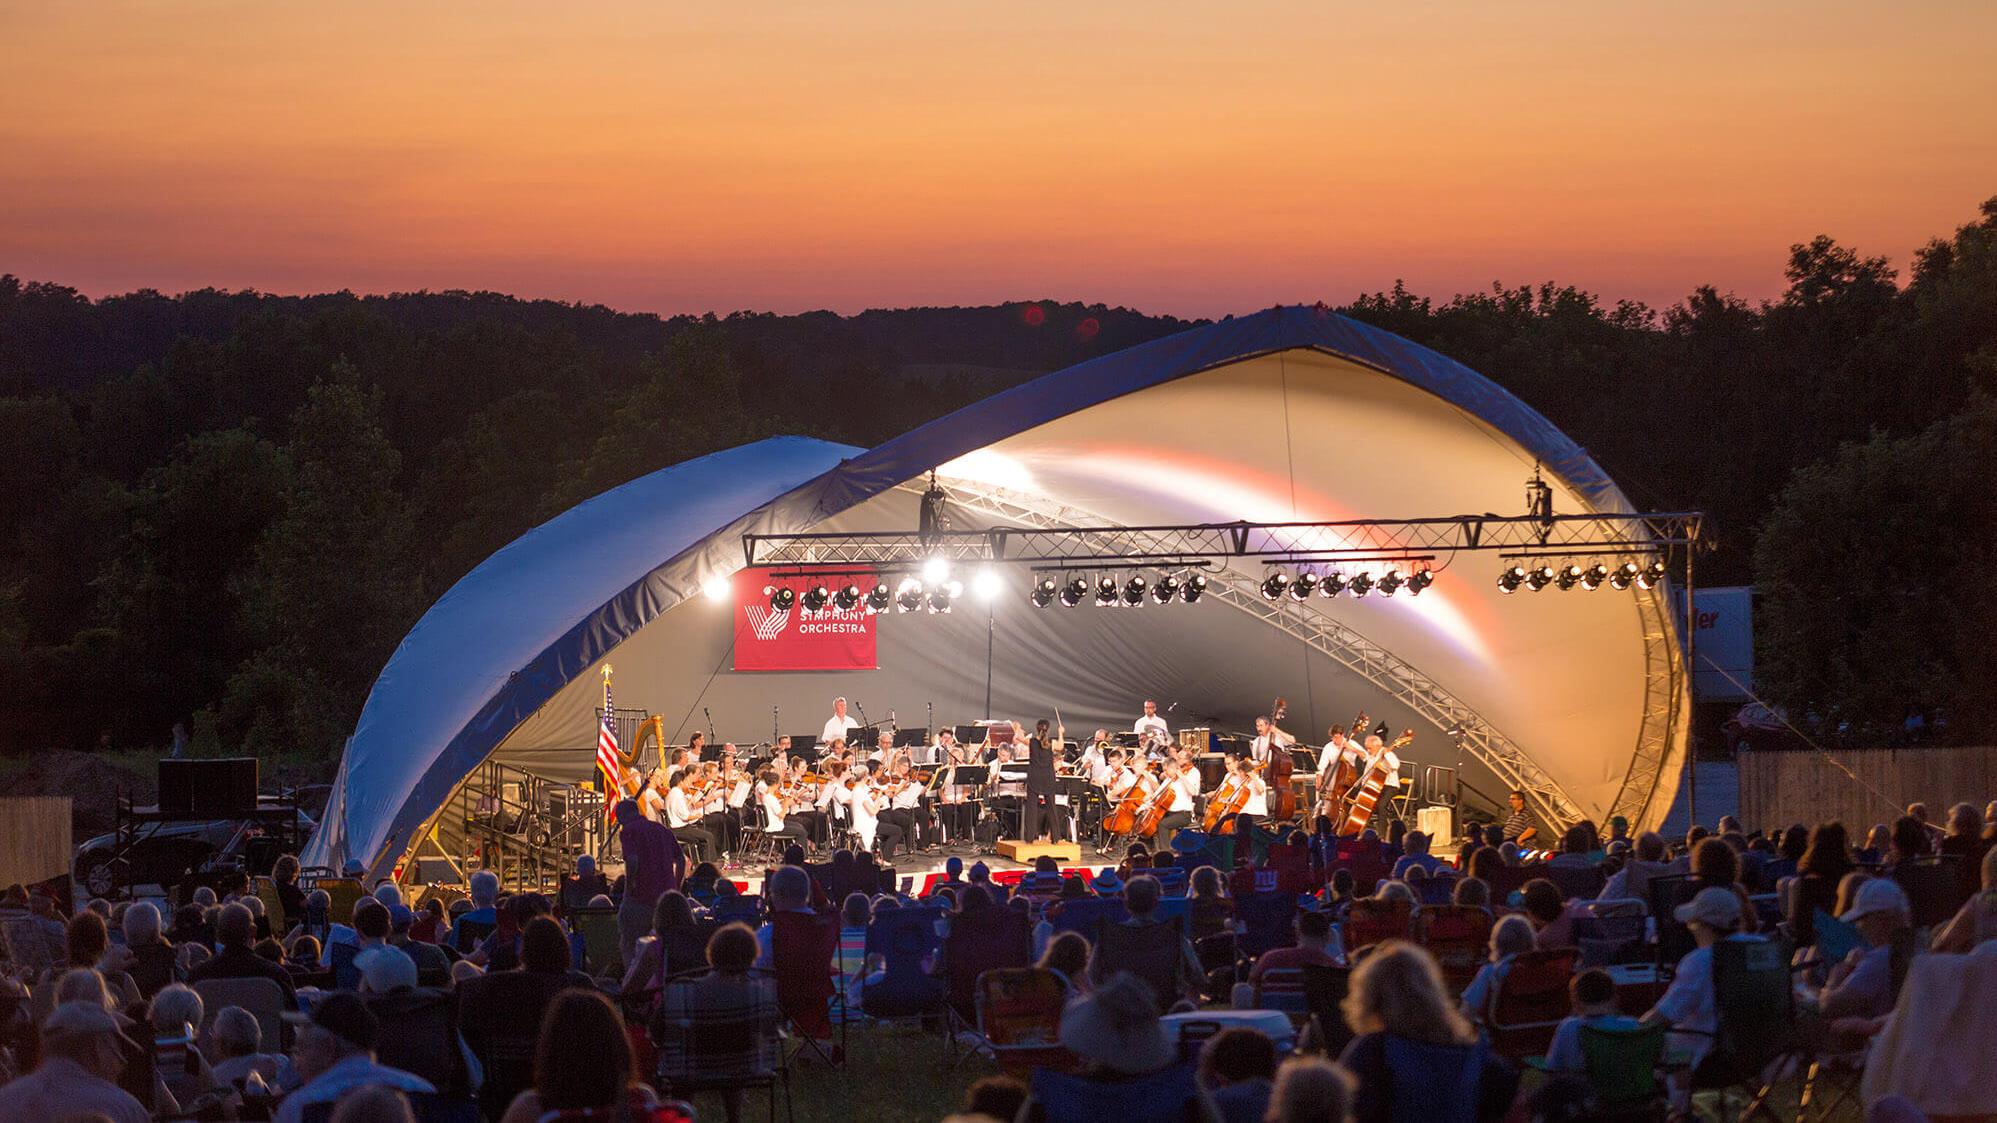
{"type": "Point", "coordinates": [1160, 802]}
{"type": "Point", "coordinates": [1129, 806]}
{"type": "Point", "coordinates": [1360, 809]}
{"type": "Point", "coordinates": [1282, 797]}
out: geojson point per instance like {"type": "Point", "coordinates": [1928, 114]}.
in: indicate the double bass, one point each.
{"type": "Point", "coordinates": [1337, 780]}
{"type": "Point", "coordinates": [1360, 808]}
{"type": "Point", "coordinates": [1282, 797]}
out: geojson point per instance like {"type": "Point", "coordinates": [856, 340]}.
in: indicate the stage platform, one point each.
{"type": "Point", "coordinates": [1029, 852]}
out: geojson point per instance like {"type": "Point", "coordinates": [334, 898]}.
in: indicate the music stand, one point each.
{"type": "Point", "coordinates": [1126, 739]}
{"type": "Point", "coordinates": [863, 735]}
{"type": "Point", "coordinates": [804, 744]}
{"type": "Point", "coordinates": [968, 735]}
{"type": "Point", "coordinates": [911, 738]}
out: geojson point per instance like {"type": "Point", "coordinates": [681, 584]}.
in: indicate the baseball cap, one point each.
{"type": "Point", "coordinates": [1877, 895]}
{"type": "Point", "coordinates": [1715, 907]}
{"type": "Point", "coordinates": [400, 917]}
{"type": "Point", "coordinates": [385, 969]}
{"type": "Point", "coordinates": [352, 868]}
{"type": "Point", "coordinates": [344, 1015]}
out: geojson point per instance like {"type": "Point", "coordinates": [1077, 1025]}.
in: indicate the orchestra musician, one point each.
{"type": "Point", "coordinates": [868, 802]}
{"type": "Point", "coordinates": [777, 823]}
{"type": "Point", "coordinates": [1256, 808]}
{"type": "Point", "coordinates": [1340, 749]}
{"type": "Point", "coordinates": [1043, 817]}
{"type": "Point", "coordinates": [1269, 740]}
{"type": "Point", "coordinates": [838, 725]}
{"type": "Point", "coordinates": [959, 809]}
{"type": "Point", "coordinates": [1378, 755]}
{"type": "Point", "coordinates": [696, 743]}
{"type": "Point", "coordinates": [1184, 779]}
{"type": "Point", "coordinates": [651, 792]}
{"type": "Point", "coordinates": [884, 750]}
{"type": "Point", "coordinates": [1151, 729]}
{"type": "Point", "coordinates": [683, 819]}
{"type": "Point", "coordinates": [1096, 762]}
{"type": "Point", "coordinates": [905, 808]}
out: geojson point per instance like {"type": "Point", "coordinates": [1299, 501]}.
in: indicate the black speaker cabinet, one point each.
{"type": "Point", "coordinates": [224, 788]}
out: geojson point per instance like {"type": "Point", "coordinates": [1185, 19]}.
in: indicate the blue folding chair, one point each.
{"type": "Point", "coordinates": [1082, 914]}
{"type": "Point", "coordinates": [1266, 922]}
{"type": "Point", "coordinates": [746, 907]}
{"type": "Point", "coordinates": [1068, 1098]}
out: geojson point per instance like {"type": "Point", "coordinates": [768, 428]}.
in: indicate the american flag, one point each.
{"type": "Point", "coordinates": [606, 751]}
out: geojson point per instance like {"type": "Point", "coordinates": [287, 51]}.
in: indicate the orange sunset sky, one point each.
{"type": "Point", "coordinates": [1173, 157]}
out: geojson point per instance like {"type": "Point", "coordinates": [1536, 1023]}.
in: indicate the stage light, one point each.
{"type": "Point", "coordinates": [847, 598]}
{"type": "Point", "coordinates": [781, 596]}
{"type": "Point", "coordinates": [936, 570]}
{"type": "Point", "coordinates": [717, 589]}
{"type": "Point", "coordinates": [1511, 578]}
{"type": "Point", "coordinates": [1134, 590]}
{"type": "Point", "coordinates": [1074, 592]}
{"type": "Point", "coordinates": [1164, 589]}
{"type": "Point", "coordinates": [1334, 584]}
{"type": "Point", "coordinates": [1623, 576]}
{"type": "Point", "coordinates": [908, 596]}
{"type": "Point", "coordinates": [987, 585]}
{"type": "Point", "coordinates": [1195, 585]}
{"type": "Point", "coordinates": [1304, 586]}
{"type": "Point", "coordinates": [1361, 583]}
{"type": "Point", "coordinates": [1391, 582]}
{"type": "Point", "coordinates": [1539, 578]}
{"type": "Point", "coordinates": [1651, 577]}
{"type": "Point", "coordinates": [815, 598]}
{"type": "Point", "coordinates": [1418, 580]}
{"type": "Point", "coordinates": [1568, 576]}
{"type": "Point", "coordinates": [879, 598]}
{"type": "Point", "coordinates": [941, 596]}
{"type": "Point", "coordinates": [1275, 584]}
{"type": "Point", "coordinates": [1593, 579]}
{"type": "Point", "coordinates": [1106, 592]}
{"type": "Point", "coordinates": [1043, 592]}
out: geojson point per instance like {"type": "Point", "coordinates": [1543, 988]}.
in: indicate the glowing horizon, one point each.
{"type": "Point", "coordinates": [789, 157]}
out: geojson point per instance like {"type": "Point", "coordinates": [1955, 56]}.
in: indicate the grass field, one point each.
{"type": "Point", "coordinates": [891, 1075]}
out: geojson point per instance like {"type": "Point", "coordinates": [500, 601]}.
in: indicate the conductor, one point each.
{"type": "Point", "coordinates": [1042, 814]}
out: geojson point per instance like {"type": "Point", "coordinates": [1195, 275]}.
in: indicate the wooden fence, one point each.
{"type": "Point", "coordinates": [34, 838]}
{"type": "Point", "coordinates": [1778, 788]}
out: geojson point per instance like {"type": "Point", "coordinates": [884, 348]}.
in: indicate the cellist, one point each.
{"type": "Point", "coordinates": [1184, 781]}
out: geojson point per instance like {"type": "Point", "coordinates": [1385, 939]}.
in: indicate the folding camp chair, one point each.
{"type": "Point", "coordinates": [1457, 935]}
{"type": "Point", "coordinates": [597, 928]}
{"type": "Point", "coordinates": [1528, 1004]}
{"type": "Point", "coordinates": [803, 945]}
{"type": "Point", "coordinates": [1757, 1025]}
{"type": "Point", "coordinates": [1072, 1098]}
{"type": "Point", "coordinates": [1153, 953]}
{"type": "Point", "coordinates": [1265, 921]}
{"type": "Point", "coordinates": [1934, 886]}
{"type": "Point", "coordinates": [1324, 996]}
{"type": "Point", "coordinates": [1623, 1067]}
{"type": "Point", "coordinates": [1373, 920]}
{"type": "Point", "coordinates": [989, 939]}
{"type": "Point", "coordinates": [1019, 1017]}
{"type": "Point", "coordinates": [906, 941]}
{"type": "Point", "coordinates": [1610, 931]}
{"type": "Point", "coordinates": [706, 1050]}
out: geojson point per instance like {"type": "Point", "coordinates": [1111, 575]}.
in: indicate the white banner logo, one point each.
{"type": "Point", "coordinates": [767, 623]}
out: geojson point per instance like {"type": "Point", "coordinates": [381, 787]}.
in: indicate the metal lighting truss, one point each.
{"type": "Point", "coordinates": [1043, 533]}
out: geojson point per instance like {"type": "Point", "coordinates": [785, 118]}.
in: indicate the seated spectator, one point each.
{"type": "Point", "coordinates": [433, 964]}
{"type": "Point", "coordinates": [1310, 1090]}
{"type": "Point", "coordinates": [335, 1054]}
{"type": "Point", "coordinates": [582, 1063]}
{"type": "Point", "coordinates": [981, 875]}
{"type": "Point", "coordinates": [303, 959]}
{"type": "Point", "coordinates": [1140, 901]}
{"type": "Point", "coordinates": [1633, 877]}
{"type": "Point", "coordinates": [1909, 841]}
{"type": "Point", "coordinates": [429, 925]}
{"type": "Point", "coordinates": [483, 916]}
{"type": "Point", "coordinates": [384, 970]}
{"type": "Point", "coordinates": [1210, 912]}
{"type": "Point", "coordinates": [373, 1104]}
{"type": "Point", "coordinates": [788, 889]}
{"type": "Point", "coordinates": [464, 969]}
{"type": "Point", "coordinates": [176, 1017]}
{"type": "Point", "coordinates": [1976, 921]}
{"type": "Point", "coordinates": [1238, 1071]}
{"type": "Point", "coordinates": [1593, 994]}
{"type": "Point", "coordinates": [1068, 953]}
{"type": "Point", "coordinates": [1397, 1000]}
{"type": "Point", "coordinates": [544, 950]}
{"type": "Point", "coordinates": [1117, 1037]}
{"type": "Point", "coordinates": [1317, 946]}
{"type": "Point", "coordinates": [270, 949]}
{"type": "Point", "coordinates": [1862, 986]}
{"type": "Point", "coordinates": [1878, 841]}
{"type": "Point", "coordinates": [1714, 914]}
{"type": "Point", "coordinates": [87, 943]}
{"type": "Point", "coordinates": [676, 943]}
{"type": "Point", "coordinates": [77, 1077]}
{"type": "Point", "coordinates": [152, 964]}
{"type": "Point", "coordinates": [993, 1097]}
{"type": "Point", "coordinates": [1417, 855]}
{"type": "Point", "coordinates": [314, 921]}
{"type": "Point", "coordinates": [1788, 858]}
{"type": "Point", "coordinates": [236, 931]}
{"type": "Point", "coordinates": [290, 898]}
{"type": "Point", "coordinates": [576, 891]}
{"type": "Point", "coordinates": [1963, 841]}
{"type": "Point", "coordinates": [255, 904]}
{"type": "Point", "coordinates": [849, 960]}
{"type": "Point", "coordinates": [190, 956]}
{"type": "Point", "coordinates": [1511, 937]}
{"type": "Point", "coordinates": [729, 993]}
{"type": "Point", "coordinates": [237, 1044]}
{"type": "Point", "coordinates": [1551, 916]}
{"type": "Point", "coordinates": [1339, 893]}
{"type": "Point", "coordinates": [1717, 865]}
{"type": "Point", "coordinates": [1472, 891]}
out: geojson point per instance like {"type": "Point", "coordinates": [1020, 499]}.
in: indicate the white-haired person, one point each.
{"type": "Point", "coordinates": [1511, 937]}
{"type": "Point", "coordinates": [1976, 921]}
{"type": "Point", "coordinates": [176, 1016]}
{"type": "Point", "coordinates": [1310, 1090]}
{"type": "Point", "coordinates": [236, 1040]}
{"type": "Point", "coordinates": [77, 1077]}
{"type": "Point", "coordinates": [153, 964]}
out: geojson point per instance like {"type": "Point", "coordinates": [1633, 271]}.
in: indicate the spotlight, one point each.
{"type": "Point", "coordinates": [1074, 592]}
{"type": "Point", "coordinates": [815, 598]}
{"type": "Point", "coordinates": [936, 570]}
{"type": "Point", "coordinates": [781, 597]}
{"type": "Point", "coordinates": [879, 598]}
{"type": "Point", "coordinates": [1539, 578]}
{"type": "Point", "coordinates": [1568, 576]}
{"type": "Point", "coordinates": [1651, 577]}
{"type": "Point", "coordinates": [1106, 591]}
{"type": "Point", "coordinates": [1391, 582]}
{"type": "Point", "coordinates": [1304, 586]}
{"type": "Point", "coordinates": [1274, 584]}
{"type": "Point", "coordinates": [1418, 580]}
{"type": "Point", "coordinates": [1593, 579]}
{"type": "Point", "coordinates": [908, 596]}
{"type": "Point", "coordinates": [847, 598]}
{"type": "Point", "coordinates": [1195, 585]}
{"type": "Point", "coordinates": [1164, 589]}
{"type": "Point", "coordinates": [1511, 578]}
{"type": "Point", "coordinates": [1334, 584]}
{"type": "Point", "coordinates": [1043, 592]}
{"type": "Point", "coordinates": [717, 588]}
{"type": "Point", "coordinates": [987, 585]}
{"type": "Point", "coordinates": [1361, 583]}
{"type": "Point", "coordinates": [1623, 577]}
{"type": "Point", "coordinates": [941, 596]}
{"type": "Point", "coordinates": [1134, 590]}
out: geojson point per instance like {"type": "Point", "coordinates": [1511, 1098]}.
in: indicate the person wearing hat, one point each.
{"type": "Point", "coordinates": [1107, 884]}
{"type": "Point", "coordinates": [77, 1077]}
{"type": "Point", "coordinates": [433, 964]}
{"type": "Point", "coordinates": [1862, 985]}
{"type": "Point", "coordinates": [1714, 914]}
{"type": "Point", "coordinates": [1116, 1035]}
{"type": "Point", "coordinates": [335, 1054]}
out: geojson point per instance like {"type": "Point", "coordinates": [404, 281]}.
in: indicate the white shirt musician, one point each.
{"type": "Point", "coordinates": [679, 809]}
{"type": "Point", "coordinates": [1095, 763]}
{"type": "Point", "coordinates": [1185, 788]}
{"type": "Point", "coordinates": [1152, 724]}
{"type": "Point", "coordinates": [1258, 794]}
{"type": "Point", "coordinates": [1123, 777]}
{"type": "Point", "coordinates": [866, 812]}
{"type": "Point", "coordinates": [839, 725]}
{"type": "Point", "coordinates": [1340, 747]}
{"type": "Point", "coordinates": [1268, 741]}
{"type": "Point", "coordinates": [652, 801]}
{"type": "Point", "coordinates": [883, 749]}
{"type": "Point", "coordinates": [1381, 757]}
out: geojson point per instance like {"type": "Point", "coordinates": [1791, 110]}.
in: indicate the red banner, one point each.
{"type": "Point", "coordinates": [768, 638]}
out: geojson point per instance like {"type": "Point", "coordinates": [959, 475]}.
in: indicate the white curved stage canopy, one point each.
{"type": "Point", "coordinates": [1289, 415]}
